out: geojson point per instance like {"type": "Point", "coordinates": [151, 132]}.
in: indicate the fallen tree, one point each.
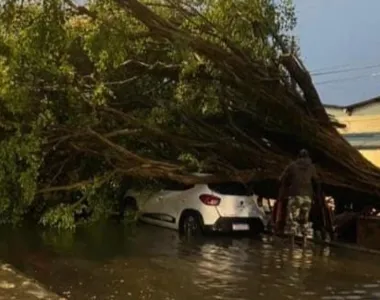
{"type": "Point", "coordinates": [158, 90]}
{"type": "Point", "coordinates": [259, 105]}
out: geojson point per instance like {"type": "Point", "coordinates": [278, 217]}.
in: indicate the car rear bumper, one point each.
{"type": "Point", "coordinates": [226, 225]}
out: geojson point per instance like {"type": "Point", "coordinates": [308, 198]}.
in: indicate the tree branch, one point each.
{"type": "Point", "coordinates": [76, 185]}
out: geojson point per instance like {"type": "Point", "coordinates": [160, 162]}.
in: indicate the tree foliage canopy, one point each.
{"type": "Point", "coordinates": [152, 89]}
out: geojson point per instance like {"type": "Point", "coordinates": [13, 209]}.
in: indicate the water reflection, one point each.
{"type": "Point", "coordinates": [110, 261]}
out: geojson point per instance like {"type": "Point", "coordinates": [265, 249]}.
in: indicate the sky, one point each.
{"type": "Point", "coordinates": [336, 35]}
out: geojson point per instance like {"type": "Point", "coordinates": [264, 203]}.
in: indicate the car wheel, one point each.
{"type": "Point", "coordinates": [191, 225]}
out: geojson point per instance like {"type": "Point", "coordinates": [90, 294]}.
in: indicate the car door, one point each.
{"type": "Point", "coordinates": [171, 201]}
{"type": "Point", "coordinates": [157, 209]}
{"type": "Point", "coordinates": [148, 200]}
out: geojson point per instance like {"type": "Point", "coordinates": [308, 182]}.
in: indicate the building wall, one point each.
{"type": "Point", "coordinates": [372, 155]}
{"type": "Point", "coordinates": [362, 129]}
{"type": "Point", "coordinates": [368, 110]}
{"type": "Point", "coordinates": [359, 123]}
{"type": "Point", "coordinates": [336, 112]}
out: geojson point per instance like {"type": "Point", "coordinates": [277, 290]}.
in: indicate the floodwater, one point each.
{"type": "Point", "coordinates": [113, 261]}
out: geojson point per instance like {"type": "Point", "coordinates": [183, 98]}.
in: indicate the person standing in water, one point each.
{"type": "Point", "coordinates": [298, 181]}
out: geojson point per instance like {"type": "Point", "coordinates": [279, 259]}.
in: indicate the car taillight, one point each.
{"type": "Point", "coordinates": [209, 199]}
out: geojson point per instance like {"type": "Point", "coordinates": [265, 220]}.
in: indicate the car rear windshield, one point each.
{"type": "Point", "coordinates": [175, 186]}
{"type": "Point", "coordinates": [230, 188]}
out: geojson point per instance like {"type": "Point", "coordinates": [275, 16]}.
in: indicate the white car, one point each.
{"type": "Point", "coordinates": [226, 207]}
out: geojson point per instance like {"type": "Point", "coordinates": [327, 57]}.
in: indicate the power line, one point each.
{"type": "Point", "coordinates": [338, 71]}
{"type": "Point", "coordinates": [330, 68]}
{"type": "Point", "coordinates": [347, 79]}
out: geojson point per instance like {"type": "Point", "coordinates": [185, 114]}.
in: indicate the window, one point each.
{"type": "Point", "coordinates": [230, 188]}
{"type": "Point", "coordinates": [369, 140]}
{"type": "Point", "coordinates": [175, 186]}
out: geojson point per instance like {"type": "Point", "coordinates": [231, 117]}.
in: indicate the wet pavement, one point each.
{"type": "Point", "coordinates": [118, 262]}
{"type": "Point", "coordinates": [14, 285]}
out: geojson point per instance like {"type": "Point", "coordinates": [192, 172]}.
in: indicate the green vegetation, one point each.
{"type": "Point", "coordinates": [94, 99]}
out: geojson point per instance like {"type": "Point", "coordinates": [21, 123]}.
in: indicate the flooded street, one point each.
{"type": "Point", "coordinates": [144, 262]}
